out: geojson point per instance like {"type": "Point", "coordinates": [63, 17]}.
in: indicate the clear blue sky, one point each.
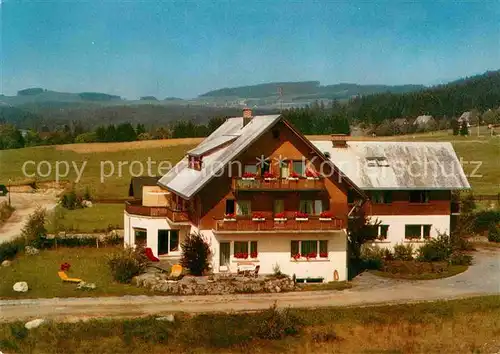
{"type": "Point", "coordinates": [190, 47]}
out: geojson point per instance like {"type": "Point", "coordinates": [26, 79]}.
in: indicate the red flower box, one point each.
{"type": "Point", "coordinates": [311, 255]}
{"type": "Point", "coordinates": [294, 175]}
{"type": "Point", "coordinates": [248, 175]}
{"type": "Point", "coordinates": [258, 215]}
{"type": "Point", "coordinates": [300, 215]}
{"type": "Point", "coordinates": [326, 214]}
{"type": "Point", "coordinates": [241, 255]}
{"type": "Point", "coordinates": [229, 216]}
{"type": "Point", "coordinates": [323, 254]}
{"type": "Point", "coordinates": [254, 254]}
{"type": "Point", "coordinates": [280, 215]}
{"type": "Point", "coordinates": [296, 256]}
{"type": "Point", "coordinates": [311, 173]}
{"type": "Point", "coordinates": [269, 175]}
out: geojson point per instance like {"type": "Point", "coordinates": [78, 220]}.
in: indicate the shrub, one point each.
{"type": "Point", "coordinates": [414, 267]}
{"type": "Point", "coordinates": [127, 264]}
{"type": "Point", "coordinates": [34, 229]}
{"type": "Point", "coordinates": [6, 211]}
{"type": "Point", "coordinates": [371, 257]}
{"type": "Point", "coordinates": [494, 233]}
{"type": "Point", "coordinates": [196, 254]}
{"type": "Point", "coordinates": [277, 324]}
{"type": "Point", "coordinates": [403, 252]}
{"type": "Point", "coordinates": [485, 218]}
{"type": "Point", "coordinates": [436, 249]}
{"type": "Point", "coordinates": [460, 258]}
{"type": "Point", "coordinates": [9, 249]}
{"type": "Point", "coordinates": [71, 201]}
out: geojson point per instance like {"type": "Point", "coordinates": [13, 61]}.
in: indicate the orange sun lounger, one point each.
{"type": "Point", "coordinates": [65, 277]}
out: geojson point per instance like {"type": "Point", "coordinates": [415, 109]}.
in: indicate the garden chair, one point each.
{"type": "Point", "coordinates": [176, 271]}
{"type": "Point", "coordinates": [64, 277]}
{"type": "Point", "coordinates": [256, 271]}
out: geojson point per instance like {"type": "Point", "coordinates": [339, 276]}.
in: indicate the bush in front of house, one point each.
{"type": "Point", "coordinates": [436, 249]}
{"type": "Point", "coordinates": [403, 252]}
{"type": "Point", "coordinates": [196, 254]}
{"type": "Point", "coordinates": [127, 263]}
{"type": "Point", "coordinates": [484, 219]}
{"type": "Point", "coordinates": [9, 249]}
{"type": "Point", "coordinates": [372, 257]}
{"type": "Point", "coordinates": [494, 233]}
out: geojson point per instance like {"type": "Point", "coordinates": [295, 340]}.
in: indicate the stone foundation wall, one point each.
{"type": "Point", "coordinates": [214, 284]}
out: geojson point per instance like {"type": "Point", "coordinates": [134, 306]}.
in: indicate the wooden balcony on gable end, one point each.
{"type": "Point", "coordinates": [136, 208]}
{"type": "Point", "coordinates": [278, 184]}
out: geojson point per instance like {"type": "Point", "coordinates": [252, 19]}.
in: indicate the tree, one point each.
{"type": "Point", "coordinates": [34, 229]}
{"type": "Point", "coordinates": [90, 137]}
{"type": "Point", "coordinates": [464, 128]}
{"type": "Point", "coordinates": [360, 230]}
{"type": "Point", "coordinates": [455, 126]}
{"type": "Point", "coordinates": [196, 254]}
{"type": "Point", "coordinates": [125, 132]}
{"type": "Point", "coordinates": [140, 129]}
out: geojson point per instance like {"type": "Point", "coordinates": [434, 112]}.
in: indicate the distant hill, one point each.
{"type": "Point", "coordinates": [307, 90]}
{"type": "Point", "coordinates": [40, 95]}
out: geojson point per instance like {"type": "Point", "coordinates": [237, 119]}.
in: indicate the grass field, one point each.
{"type": "Point", "coordinates": [457, 326]}
{"type": "Point", "coordinates": [40, 272]}
{"type": "Point", "coordinates": [94, 219]}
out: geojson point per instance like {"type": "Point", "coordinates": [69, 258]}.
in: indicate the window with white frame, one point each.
{"type": "Point", "coordinates": [245, 249]}
{"type": "Point", "coordinates": [417, 231]}
{"type": "Point", "coordinates": [382, 232]}
{"type": "Point", "coordinates": [243, 207]}
{"type": "Point", "coordinates": [315, 249]}
{"type": "Point", "coordinates": [141, 237]}
{"type": "Point", "coordinates": [311, 207]}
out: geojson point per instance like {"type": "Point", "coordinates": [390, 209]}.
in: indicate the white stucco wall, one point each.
{"type": "Point", "coordinates": [151, 225]}
{"type": "Point", "coordinates": [276, 249]}
{"type": "Point", "coordinates": [396, 233]}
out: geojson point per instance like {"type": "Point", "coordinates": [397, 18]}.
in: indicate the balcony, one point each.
{"type": "Point", "coordinates": [136, 208]}
{"type": "Point", "coordinates": [278, 184]}
{"type": "Point", "coordinates": [246, 224]}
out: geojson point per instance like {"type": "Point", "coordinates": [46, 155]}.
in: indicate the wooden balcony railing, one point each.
{"type": "Point", "coordinates": [136, 208]}
{"type": "Point", "coordinates": [249, 225]}
{"type": "Point", "coordinates": [279, 184]}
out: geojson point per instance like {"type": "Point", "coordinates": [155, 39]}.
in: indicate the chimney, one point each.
{"type": "Point", "coordinates": [247, 115]}
{"type": "Point", "coordinates": [339, 140]}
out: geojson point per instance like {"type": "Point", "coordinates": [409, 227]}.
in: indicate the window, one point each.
{"type": "Point", "coordinates": [284, 169]}
{"type": "Point", "coordinates": [311, 207]}
{"type": "Point", "coordinates": [426, 231]}
{"type": "Point", "coordinates": [168, 241]}
{"type": "Point", "coordinates": [250, 169]}
{"type": "Point", "coordinates": [309, 249]}
{"type": "Point", "coordinates": [371, 161]}
{"type": "Point", "coordinates": [141, 237]}
{"type": "Point", "coordinates": [382, 197]}
{"type": "Point", "coordinates": [240, 247]}
{"type": "Point", "coordinates": [230, 207]}
{"type": "Point", "coordinates": [383, 230]}
{"type": "Point", "coordinates": [351, 196]}
{"type": "Point", "coordinates": [417, 231]}
{"type": "Point", "coordinates": [279, 206]}
{"type": "Point", "coordinates": [298, 167]}
{"type": "Point", "coordinates": [382, 162]}
{"type": "Point", "coordinates": [265, 166]}
{"type": "Point", "coordinates": [245, 249]}
{"type": "Point", "coordinates": [243, 207]}
{"type": "Point", "coordinates": [419, 197]}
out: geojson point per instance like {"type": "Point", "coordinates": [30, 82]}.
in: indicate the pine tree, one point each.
{"type": "Point", "coordinates": [464, 129]}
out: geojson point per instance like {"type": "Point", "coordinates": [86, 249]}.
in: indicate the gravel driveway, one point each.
{"type": "Point", "coordinates": [482, 278]}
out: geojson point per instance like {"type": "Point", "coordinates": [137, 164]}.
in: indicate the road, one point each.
{"type": "Point", "coordinates": [25, 204]}
{"type": "Point", "coordinates": [482, 278]}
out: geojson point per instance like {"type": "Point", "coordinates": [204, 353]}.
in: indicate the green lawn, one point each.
{"type": "Point", "coordinates": [115, 186]}
{"type": "Point", "coordinates": [40, 272]}
{"type": "Point", "coordinates": [456, 326]}
{"type": "Point", "coordinates": [450, 271]}
{"type": "Point", "coordinates": [94, 219]}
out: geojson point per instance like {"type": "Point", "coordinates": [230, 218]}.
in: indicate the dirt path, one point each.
{"type": "Point", "coordinates": [482, 278]}
{"type": "Point", "coordinates": [25, 204]}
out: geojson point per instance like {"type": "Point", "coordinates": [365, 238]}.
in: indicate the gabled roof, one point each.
{"type": "Point", "coordinates": [465, 116]}
{"type": "Point", "coordinates": [186, 182]}
{"type": "Point", "coordinates": [411, 165]}
{"type": "Point", "coordinates": [422, 120]}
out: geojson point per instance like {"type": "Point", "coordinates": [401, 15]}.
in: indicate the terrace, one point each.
{"type": "Point", "coordinates": [136, 208]}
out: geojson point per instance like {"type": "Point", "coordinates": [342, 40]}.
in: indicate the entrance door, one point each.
{"type": "Point", "coordinates": [225, 250]}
